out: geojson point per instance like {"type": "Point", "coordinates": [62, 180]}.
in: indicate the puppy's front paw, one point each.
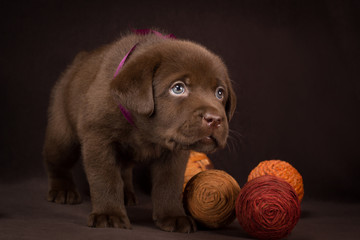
{"type": "Point", "coordinates": [183, 224]}
{"type": "Point", "coordinates": [105, 220]}
{"type": "Point", "coordinates": [64, 196]}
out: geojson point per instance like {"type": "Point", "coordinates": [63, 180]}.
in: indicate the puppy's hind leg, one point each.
{"type": "Point", "coordinates": [129, 193]}
{"type": "Point", "coordinates": [60, 154]}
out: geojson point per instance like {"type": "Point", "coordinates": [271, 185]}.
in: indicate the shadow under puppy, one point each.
{"type": "Point", "coordinates": [174, 96]}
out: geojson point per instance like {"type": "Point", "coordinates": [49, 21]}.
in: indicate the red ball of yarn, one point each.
{"type": "Point", "coordinates": [268, 208]}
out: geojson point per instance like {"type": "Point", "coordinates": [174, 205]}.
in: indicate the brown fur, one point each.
{"type": "Point", "coordinates": [84, 118]}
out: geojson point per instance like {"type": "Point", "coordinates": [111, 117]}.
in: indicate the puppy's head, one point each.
{"type": "Point", "coordinates": [179, 94]}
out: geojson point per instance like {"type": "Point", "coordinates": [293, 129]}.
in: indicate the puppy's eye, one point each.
{"type": "Point", "coordinates": [219, 93]}
{"type": "Point", "coordinates": [178, 88]}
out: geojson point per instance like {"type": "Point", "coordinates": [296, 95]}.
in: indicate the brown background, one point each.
{"type": "Point", "coordinates": [295, 67]}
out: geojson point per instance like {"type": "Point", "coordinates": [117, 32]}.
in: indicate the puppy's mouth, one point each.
{"type": "Point", "coordinates": [209, 140]}
{"type": "Point", "coordinates": [206, 144]}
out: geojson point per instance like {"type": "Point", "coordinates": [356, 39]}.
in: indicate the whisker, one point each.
{"type": "Point", "coordinates": [235, 139]}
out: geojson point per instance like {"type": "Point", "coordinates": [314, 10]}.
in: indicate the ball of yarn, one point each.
{"type": "Point", "coordinates": [197, 162]}
{"type": "Point", "coordinates": [280, 169]}
{"type": "Point", "coordinates": [210, 198]}
{"type": "Point", "coordinates": [268, 208]}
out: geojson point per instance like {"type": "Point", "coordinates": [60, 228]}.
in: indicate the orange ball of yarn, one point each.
{"type": "Point", "coordinates": [210, 198]}
{"type": "Point", "coordinates": [197, 162]}
{"type": "Point", "coordinates": [280, 169]}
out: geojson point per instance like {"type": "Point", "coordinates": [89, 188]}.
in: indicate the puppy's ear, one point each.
{"type": "Point", "coordinates": [132, 87]}
{"type": "Point", "coordinates": [230, 103]}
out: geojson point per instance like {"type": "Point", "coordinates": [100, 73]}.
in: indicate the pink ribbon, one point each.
{"type": "Point", "coordinates": [123, 110]}
{"type": "Point", "coordinates": [124, 59]}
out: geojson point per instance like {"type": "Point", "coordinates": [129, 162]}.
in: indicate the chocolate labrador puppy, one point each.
{"type": "Point", "coordinates": [169, 97]}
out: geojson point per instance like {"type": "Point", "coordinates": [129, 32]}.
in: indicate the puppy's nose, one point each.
{"type": "Point", "coordinates": [212, 120]}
